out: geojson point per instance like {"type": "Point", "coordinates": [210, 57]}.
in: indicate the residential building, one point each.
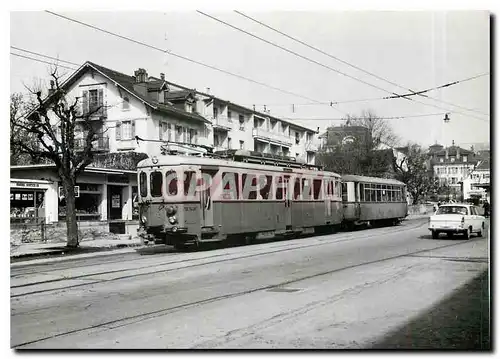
{"type": "Point", "coordinates": [451, 165]}
{"type": "Point", "coordinates": [477, 185]}
{"type": "Point", "coordinates": [129, 106]}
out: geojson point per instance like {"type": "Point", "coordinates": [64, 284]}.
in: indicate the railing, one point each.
{"type": "Point", "coordinates": [311, 146]}
{"type": "Point", "coordinates": [271, 136]}
{"type": "Point", "coordinates": [101, 144]}
{"type": "Point", "coordinates": [222, 122]}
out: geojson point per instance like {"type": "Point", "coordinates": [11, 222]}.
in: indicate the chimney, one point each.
{"type": "Point", "coordinates": [458, 152]}
{"type": "Point", "coordinates": [208, 90]}
{"type": "Point", "coordinates": [453, 142]}
{"type": "Point", "coordinates": [162, 76]}
{"type": "Point", "coordinates": [472, 148]}
{"type": "Point", "coordinates": [52, 89]}
{"type": "Point", "coordinates": [446, 153]}
{"type": "Point", "coordinates": [140, 86]}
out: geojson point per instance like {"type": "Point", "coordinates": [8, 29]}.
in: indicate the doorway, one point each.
{"type": "Point", "coordinates": [115, 202]}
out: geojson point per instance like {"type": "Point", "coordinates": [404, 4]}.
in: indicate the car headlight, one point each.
{"type": "Point", "coordinates": [172, 220]}
{"type": "Point", "coordinates": [144, 219]}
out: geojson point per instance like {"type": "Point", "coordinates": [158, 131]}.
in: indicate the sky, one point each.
{"type": "Point", "coordinates": [414, 50]}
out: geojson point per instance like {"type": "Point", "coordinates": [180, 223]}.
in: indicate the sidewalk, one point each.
{"type": "Point", "coordinates": [30, 250]}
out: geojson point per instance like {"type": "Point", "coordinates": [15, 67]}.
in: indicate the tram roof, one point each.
{"type": "Point", "coordinates": [366, 179]}
{"type": "Point", "coordinates": [178, 160]}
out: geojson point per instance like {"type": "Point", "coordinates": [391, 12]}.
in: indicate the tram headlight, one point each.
{"type": "Point", "coordinates": [144, 219]}
{"type": "Point", "coordinates": [172, 220]}
{"type": "Point", "coordinates": [171, 211]}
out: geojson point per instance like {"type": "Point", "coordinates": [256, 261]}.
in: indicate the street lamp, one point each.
{"type": "Point", "coordinates": [446, 118]}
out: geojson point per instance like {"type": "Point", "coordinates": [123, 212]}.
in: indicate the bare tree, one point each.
{"type": "Point", "coordinates": [412, 170]}
{"type": "Point", "coordinates": [17, 107]}
{"type": "Point", "coordinates": [53, 122]}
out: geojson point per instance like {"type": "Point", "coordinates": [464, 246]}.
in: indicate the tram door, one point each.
{"type": "Point", "coordinates": [288, 202]}
{"type": "Point", "coordinates": [207, 212]}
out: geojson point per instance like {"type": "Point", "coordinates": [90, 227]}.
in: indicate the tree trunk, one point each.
{"type": "Point", "coordinates": [71, 223]}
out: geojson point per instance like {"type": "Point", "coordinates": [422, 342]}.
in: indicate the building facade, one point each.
{"type": "Point", "coordinates": [451, 166]}
{"type": "Point", "coordinates": [476, 186]}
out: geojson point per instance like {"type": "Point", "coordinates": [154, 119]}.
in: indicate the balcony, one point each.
{"type": "Point", "coordinates": [222, 123]}
{"type": "Point", "coordinates": [311, 146]}
{"type": "Point", "coordinates": [275, 138]}
{"type": "Point", "coordinates": [101, 144]}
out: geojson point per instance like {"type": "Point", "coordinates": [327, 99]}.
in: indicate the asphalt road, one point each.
{"type": "Point", "coordinates": [344, 290]}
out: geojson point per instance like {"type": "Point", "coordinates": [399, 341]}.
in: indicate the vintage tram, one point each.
{"type": "Point", "coordinates": [372, 200]}
{"type": "Point", "coordinates": [186, 200]}
{"type": "Point", "coordinates": [189, 200]}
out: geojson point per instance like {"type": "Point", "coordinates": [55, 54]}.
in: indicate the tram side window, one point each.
{"type": "Point", "coordinates": [171, 179]}
{"type": "Point", "coordinates": [389, 193]}
{"type": "Point", "coordinates": [384, 193]}
{"type": "Point", "coordinates": [398, 194]}
{"type": "Point", "coordinates": [249, 181]}
{"type": "Point", "coordinates": [296, 188]}
{"type": "Point", "coordinates": [231, 184]}
{"type": "Point", "coordinates": [143, 183]}
{"type": "Point", "coordinates": [361, 192]}
{"type": "Point", "coordinates": [317, 188]}
{"type": "Point", "coordinates": [279, 187]}
{"type": "Point", "coordinates": [379, 193]}
{"type": "Point", "coordinates": [189, 184]}
{"type": "Point", "coordinates": [344, 192]}
{"type": "Point", "coordinates": [266, 182]}
{"type": "Point", "coordinates": [156, 183]}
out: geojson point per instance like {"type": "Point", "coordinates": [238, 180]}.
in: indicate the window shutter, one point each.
{"type": "Point", "coordinates": [160, 128]}
{"type": "Point", "coordinates": [118, 130]}
{"type": "Point", "coordinates": [132, 124]}
{"type": "Point", "coordinates": [85, 102]}
{"type": "Point", "coordinates": [100, 101]}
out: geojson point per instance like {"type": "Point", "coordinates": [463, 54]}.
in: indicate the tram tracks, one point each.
{"type": "Point", "coordinates": [131, 319]}
{"type": "Point", "coordinates": [149, 269]}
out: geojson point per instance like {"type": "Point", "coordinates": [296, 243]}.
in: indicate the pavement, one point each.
{"type": "Point", "coordinates": [343, 290]}
{"type": "Point", "coordinates": [89, 248]}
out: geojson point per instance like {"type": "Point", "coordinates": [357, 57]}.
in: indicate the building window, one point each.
{"type": "Point", "coordinates": [441, 159]}
{"type": "Point", "coordinates": [297, 138]}
{"type": "Point", "coordinates": [242, 122]}
{"type": "Point", "coordinates": [229, 142]}
{"type": "Point", "coordinates": [127, 130]}
{"type": "Point", "coordinates": [229, 115]}
{"type": "Point", "coordinates": [464, 158]}
{"type": "Point", "coordinates": [242, 145]}
{"type": "Point", "coordinates": [452, 159]}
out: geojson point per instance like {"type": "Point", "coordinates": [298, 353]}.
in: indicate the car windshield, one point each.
{"type": "Point", "coordinates": [452, 210]}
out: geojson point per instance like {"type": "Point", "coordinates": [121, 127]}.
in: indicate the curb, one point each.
{"type": "Point", "coordinates": [94, 251]}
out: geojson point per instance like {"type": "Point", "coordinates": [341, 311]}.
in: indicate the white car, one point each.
{"type": "Point", "coordinates": [456, 218]}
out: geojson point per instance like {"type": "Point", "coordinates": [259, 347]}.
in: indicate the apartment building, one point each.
{"type": "Point", "coordinates": [451, 165]}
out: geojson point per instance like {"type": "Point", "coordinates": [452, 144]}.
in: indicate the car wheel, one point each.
{"type": "Point", "coordinates": [435, 234]}
{"type": "Point", "coordinates": [467, 234]}
{"type": "Point", "coordinates": [480, 233]}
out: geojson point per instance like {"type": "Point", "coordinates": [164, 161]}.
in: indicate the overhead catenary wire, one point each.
{"type": "Point", "coordinates": [42, 61]}
{"type": "Point", "coordinates": [183, 57]}
{"type": "Point", "coordinates": [286, 118]}
{"type": "Point", "coordinates": [42, 55]}
{"type": "Point", "coordinates": [352, 65]}
{"type": "Point", "coordinates": [328, 67]}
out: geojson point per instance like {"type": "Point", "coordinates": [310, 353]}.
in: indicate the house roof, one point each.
{"type": "Point", "coordinates": [483, 165]}
{"type": "Point", "coordinates": [126, 82]}
{"type": "Point", "coordinates": [452, 151]}
{"type": "Point", "coordinates": [178, 95]}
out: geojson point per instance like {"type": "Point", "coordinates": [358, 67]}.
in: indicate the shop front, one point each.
{"type": "Point", "coordinates": [104, 197]}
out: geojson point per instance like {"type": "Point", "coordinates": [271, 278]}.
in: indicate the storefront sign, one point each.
{"type": "Point", "coordinates": [115, 201]}
{"type": "Point", "coordinates": [26, 184]}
